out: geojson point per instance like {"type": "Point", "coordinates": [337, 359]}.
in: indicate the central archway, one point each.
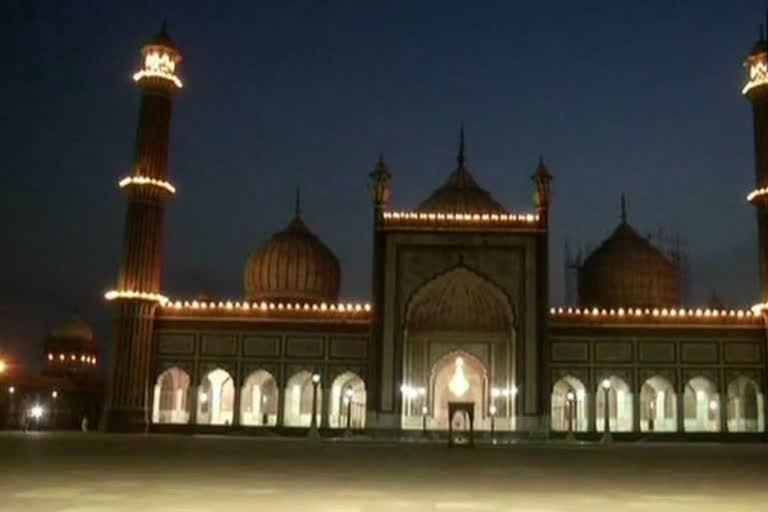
{"type": "Point", "coordinates": [458, 332]}
{"type": "Point", "coordinates": [458, 377]}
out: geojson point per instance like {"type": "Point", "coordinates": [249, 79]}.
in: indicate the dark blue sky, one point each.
{"type": "Point", "coordinates": [618, 96]}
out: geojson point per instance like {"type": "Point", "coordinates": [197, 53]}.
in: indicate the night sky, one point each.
{"type": "Point", "coordinates": [618, 96]}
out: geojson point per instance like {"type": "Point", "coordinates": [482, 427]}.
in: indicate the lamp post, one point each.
{"type": "Point", "coordinates": [424, 411]}
{"type": "Point", "coordinates": [313, 420]}
{"type": "Point", "coordinates": [264, 416]}
{"type": "Point", "coordinates": [54, 395]}
{"type": "Point", "coordinates": [348, 394]}
{"type": "Point", "coordinates": [606, 422]}
{"type": "Point", "coordinates": [492, 411]}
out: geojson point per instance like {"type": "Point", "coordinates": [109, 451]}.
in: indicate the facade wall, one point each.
{"type": "Point", "coordinates": [508, 260]}
{"type": "Point", "coordinates": [636, 354]}
{"type": "Point", "coordinates": [242, 348]}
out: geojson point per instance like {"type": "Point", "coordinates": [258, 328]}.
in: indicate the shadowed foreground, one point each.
{"type": "Point", "coordinates": [90, 472]}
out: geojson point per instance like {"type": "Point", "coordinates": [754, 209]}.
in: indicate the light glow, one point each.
{"type": "Point", "coordinates": [758, 73]}
{"type": "Point", "coordinates": [159, 65]}
{"type": "Point", "coordinates": [3, 366]}
{"type": "Point", "coordinates": [136, 295]}
{"type": "Point", "coordinates": [36, 411]}
{"type": "Point", "coordinates": [144, 181]}
{"type": "Point", "coordinates": [272, 307]}
{"type": "Point", "coordinates": [458, 383]}
{"type": "Point", "coordinates": [659, 314]}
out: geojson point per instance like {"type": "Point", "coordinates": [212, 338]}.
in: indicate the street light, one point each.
{"type": "Point", "coordinates": [11, 389]}
{"type": "Point", "coordinates": [54, 395]}
{"type": "Point", "coordinates": [424, 411]}
{"type": "Point", "coordinates": [313, 419]}
{"type": "Point", "coordinates": [606, 423]}
{"type": "Point", "coordinates": [492, 411]}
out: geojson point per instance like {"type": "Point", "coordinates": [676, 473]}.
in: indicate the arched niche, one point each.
{"type": "Point", "coordinates": [216, 398]}
{"type": "Point", "coordinates": [170, 397]}
{"type": "Point", "coordinates": [658, 405]}
{"type": "Point", "coordinates": [745, 406]}
{"type": "Point", "coordinates": [701, 405]}
{"type": "Point", "coordinates": [258, 399]}
{"type": "Point", "coordinates": [569, 405]}
{"type": "Point", "coordinates": [348, 400]}
{"type": "Point", "coordinates": [457, 377]}
{"type": "Point", "coordinates": [299, 400]}
{"type": "Point", "coordinates": [619, 405]}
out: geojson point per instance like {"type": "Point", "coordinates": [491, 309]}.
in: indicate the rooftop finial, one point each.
{"type": "Point", "coordinates": [623, 209]}
{"type": "Point", "coordinates": [461, 158]}
{"type": "Point", "coordinates": [298, 202]}
{"type": "Point", "coordinates": [164, 27]}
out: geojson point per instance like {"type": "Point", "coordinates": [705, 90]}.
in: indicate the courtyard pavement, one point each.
{"type": "Point", "coordinates": [76, 472]}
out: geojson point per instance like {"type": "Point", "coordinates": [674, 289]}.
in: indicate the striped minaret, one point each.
{"type": "Point", "coordinates": [139, 291]}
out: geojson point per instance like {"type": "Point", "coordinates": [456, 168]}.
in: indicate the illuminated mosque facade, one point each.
{"type": "Point", "coordinates": [459, 330]}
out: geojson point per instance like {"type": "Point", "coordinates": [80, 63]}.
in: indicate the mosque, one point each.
{"type": "Point", "coordinates": [459, 333]}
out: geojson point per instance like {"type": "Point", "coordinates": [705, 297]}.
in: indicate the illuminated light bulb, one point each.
{"type": "Point", "coordinates": [552, 311]}
{"type": "Point", "coordinates": [263, 306]}
{"type": "Point", "coordinates": [246, 306]}
{"type": "Point", "coordinates": [50, 357]}
{"type": "Point", "coordinates": [82, 359]}
{"type": "Point", "coordinates": [621, 312]}
{"type": "Point", "coordinates": [229, 305]}
{"type": "Point", "coordinates": [280, 305]}
{"type": "Point", "coordinates": [323, 306]}
{"type": "Point", "coordinates": [271, 305]}
{"type": "Point", "coordinates": [61, 357]}
{"type": "Point", "coordinates": [203, 305]}
{"type": "Point", "coordinates": [72, 357]}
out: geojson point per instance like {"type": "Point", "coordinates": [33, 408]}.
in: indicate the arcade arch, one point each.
{"type": "Point", "coordinates": [258, 399]}
{"type": "Point", "coordinates": [658, 406]}
{"type": "Point", "coordinates": [701, 404]}
{"type": "Point", "coordinates": [347, 401]}
{"type": "Point", "coordinates": [745, 406]}
{"type": "Point", "coordinates": [619, 405]}
{"type": "Point", "coordinates": [170, 397]}
{"type": "Point", "coordinates": [216, 399]}
{"type": "Point", "coordinates": [569, 405]}
{"type": "Point", "coordinates": [298, 401]}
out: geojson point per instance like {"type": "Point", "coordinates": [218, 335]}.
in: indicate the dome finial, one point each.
{"type": "Point", "coordinates": [164, 27]}
{"type": "Point", "coordinates": [297, 206]}
{"type": "Point", "coordinates": [623, 209]}
{"type": "Point", "coordinates": [461, 157]}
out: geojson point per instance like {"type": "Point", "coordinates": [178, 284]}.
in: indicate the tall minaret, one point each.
{"type": "Point", "coordinates": [139, 279]}
{"type": "Point", "coordinates": [756, 90]}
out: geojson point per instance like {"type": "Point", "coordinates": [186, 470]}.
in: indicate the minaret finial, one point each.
{"type": "Point", "coordinates": [623, 209]}
{"type": "Point", "coordinates": [298, 203]}
{"type": "Point", "coordinates": [461, 158]}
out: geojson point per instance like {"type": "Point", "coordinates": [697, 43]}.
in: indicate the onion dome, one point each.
{"type": "Point", "coordinates": [461, 193]}
{"type": "Point", "coordinates": [70, 345]}
{"type": "Point", "coordinates": [293, 266]}
{"type": "Point", "coordinates": [628, 271]}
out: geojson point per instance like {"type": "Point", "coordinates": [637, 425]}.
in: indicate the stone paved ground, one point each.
{"type": "Point", "coordinates": [92, 472]}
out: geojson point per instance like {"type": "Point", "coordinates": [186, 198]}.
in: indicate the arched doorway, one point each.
{"type": "Point", "coordinates": [347, 401]}
{"type": "Point", "coordinates": [619, 405]}
{"type": "Point", "coordinates": [701, 403]}
{"type": "Point", "coordinates": [456, 323]}
{"type": "Point", "coordinates": [745, 406]}
{"type": "Point", "coordinates": [658, 406]}
{"type": "Point", "coordinates": [258, 400]}
{"type": "Point", "coordinates": [569, 405]}
{"type": "Point", "coordinates": [458, 377]}
{"type": "Point", "coordinates": [170, 397]}
{"type": "Point", "coordinates": [216, 399]}
{"type": "Point", "coordinates": [298, 401]}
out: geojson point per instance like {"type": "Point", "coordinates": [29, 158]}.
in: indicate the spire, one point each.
{"type": "Point", "coordinates": [623, 209]}
{"type": "Point", "coordinates": [298, 203]}
{"type": "Point", "coordinates": [461, 158]}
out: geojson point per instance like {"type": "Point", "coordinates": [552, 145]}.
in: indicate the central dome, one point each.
{"type": "Point", "coordinates": [461, 193]}
{"type": "Point", "coordinates": [293, 266]}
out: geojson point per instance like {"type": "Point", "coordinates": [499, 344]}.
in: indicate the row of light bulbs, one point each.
{"type": "Point", "coordinates": [268, 306]}
{"type": "Point", "coordinates": [656, 312]}
{"type": "Point", "coordinates": [136, 295]}
{"type": "Point", "coordinates": [463, 217]}
{"type": "Point", "coordinates": [144, 181]}
{"type": "Point", "coordinates": [73, 357]}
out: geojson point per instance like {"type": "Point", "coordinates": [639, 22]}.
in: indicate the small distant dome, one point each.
{"type": "Point", "coordinates": [293, 266]}
{"type": "Point", "coordinates": [461, 193]}
{"type": "Point", "coordinates": [628, 271]}
{"type": "Point", "coordinates": [73, 329]}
